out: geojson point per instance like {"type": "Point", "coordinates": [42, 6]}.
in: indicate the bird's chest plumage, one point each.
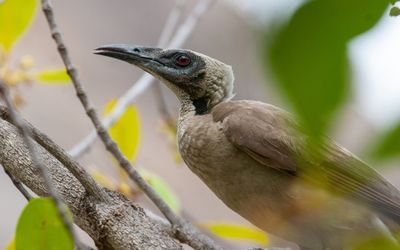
{"type": "Point", "coordinates": [203, 145]}
{"type": "Point", "coordinates": [222, 167]}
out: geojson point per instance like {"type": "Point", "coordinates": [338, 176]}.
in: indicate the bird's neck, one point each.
{"type": "Point", "coordinates": [199, 106]}
{"type": "Point", "coordinates": [191, 108]}
{"type": "Point", "coordinates": [218, 87]}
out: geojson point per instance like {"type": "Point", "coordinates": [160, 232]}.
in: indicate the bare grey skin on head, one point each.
{"type": "Point", "coordinates": [248, 152]}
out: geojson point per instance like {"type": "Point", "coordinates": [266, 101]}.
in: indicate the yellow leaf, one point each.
{"type": "Point", "coordinates": [104, 180]}
{"type": "Point", "coordinates": [11, 245]}
{"type": "Point", "coordinates": [126, 131]}
{"type": "Point", "coordinates": [124, 188]}
{"type": "Point", "coordinates": [15, 17]}
{"type": "Point", "coordinates": [163, 189]}
{"type": "Point", "coordinates": [55, 76]}
{"type": "Point", "coordinates": [236, 231]}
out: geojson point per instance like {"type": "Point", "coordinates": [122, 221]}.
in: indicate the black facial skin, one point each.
{"type": "Point", "coordinates": [189, 77]}
{"type": "Point", "coordinates": [163, 63]}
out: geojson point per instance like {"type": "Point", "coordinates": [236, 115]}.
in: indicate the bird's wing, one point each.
{"type": "Point", "coordinates": [255, 128]}
{"type": "Point", "coordinates": [269, 135]}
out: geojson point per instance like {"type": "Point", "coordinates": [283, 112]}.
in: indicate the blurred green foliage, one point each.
{"type": "Point", "coordinates": [388, 144]}
{"type": "Point", "coordinates": [395, 11]}
{"type": "Point", "coordinates": [163, 189]}
{"type": "Point", "coordinates": [380, 242]}
{"type": "Point", "coordinates": [309, 56]}
{"type": "Point", "coordinates": [40, 228]}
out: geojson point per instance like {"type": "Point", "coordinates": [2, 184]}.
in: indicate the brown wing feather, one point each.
{"type": "Point", "coordinates": [268, 135]}
{"type": "Point", "coordinates": [255, 128]}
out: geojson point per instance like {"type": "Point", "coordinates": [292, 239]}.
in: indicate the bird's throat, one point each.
{"type": "Point", "coordinates": [201, 105]}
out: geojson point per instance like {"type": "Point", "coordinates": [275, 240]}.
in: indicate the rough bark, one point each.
{"type": "Point", "coordinates": [115, 224]}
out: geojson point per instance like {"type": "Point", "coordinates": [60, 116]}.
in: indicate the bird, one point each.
{"type": "Point", "coordinates": [256, 158]}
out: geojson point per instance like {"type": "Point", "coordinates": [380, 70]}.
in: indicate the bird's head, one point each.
{"type": "Point", "coordinates": [193, 77]}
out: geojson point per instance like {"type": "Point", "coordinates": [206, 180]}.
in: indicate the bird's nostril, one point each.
{"type": "Point", "coordinates": [136, 50]}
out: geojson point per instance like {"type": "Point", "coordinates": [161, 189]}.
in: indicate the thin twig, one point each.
{"type": "Point", "coordinates": [185, 30]}
{"type": "Point", "coordinates": [36, 161]}
{"type": "Point", "coordinates": [118, 110]}
{"type": "Point", "coordinates": [170, 24]}
{"type": "Point", "coordinates": [145, 80]}
{"type": "Point", "coordinates": [19, 186]}
{"type": "Point", "coordinates": [166, 35]}
{"type": "Point", "coordinates": [184, 231]}
{"type": "Point", "coordinates": [87, 181]}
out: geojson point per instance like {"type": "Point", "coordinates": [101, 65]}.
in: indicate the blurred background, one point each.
{"type": "Point", "coordinates": [231, 31]}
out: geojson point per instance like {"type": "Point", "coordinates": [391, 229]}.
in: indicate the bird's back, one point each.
{"type": "Point", "coordinates": [273, 138]}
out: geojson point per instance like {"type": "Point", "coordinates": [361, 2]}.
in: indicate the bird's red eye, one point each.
{"type": "Point", "coordinates": [182, 60]}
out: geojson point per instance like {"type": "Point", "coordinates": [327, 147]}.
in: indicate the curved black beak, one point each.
{"type": "Point", "coordinates": [134, 54]}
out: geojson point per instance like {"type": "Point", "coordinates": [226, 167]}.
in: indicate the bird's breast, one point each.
{"type": "Point", "coordinates": [203, 145]}
{"type": "Point", "coordinates": [222, 167]}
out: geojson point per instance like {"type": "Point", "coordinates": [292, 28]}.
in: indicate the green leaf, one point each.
{"type": "Point", "coordinates": [376, 243]}
{"type": "Point", "coordinates": [53, 76]}
{"type": "Point", "coordinates": [388, 145]}
{"type": "Point", "coordinates": [15, 17]}
{"type": "Point", "coordinates": [238, 232]}
{"type": "Point", "coordinates": [163, 189]}
{"type": "Point", "coordinates": [40, 228]}
{"type": "Point", "coordinates": [394, 11]}
{"type": "Point", "coordinates": [126, 131]}
{"type": "Point", "coordinates": [308, 56]}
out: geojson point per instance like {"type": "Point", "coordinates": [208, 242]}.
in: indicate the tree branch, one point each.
{"type": "Point", "coordinates": [74, 167]}
{"type": "Point", "coordinates": [36, 161]}
{"type": "Point", "coordinates": [114, 224]}
{"type": "Point", "coordinates": [28, 197]}
{"type": "Point", "coordinates": [19, 186]}
{"type": "Point", "coordinates": [56, 151]}
{"type": "Point", "coordinates": [184, 231]}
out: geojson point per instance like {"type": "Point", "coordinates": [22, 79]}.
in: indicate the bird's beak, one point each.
{"type": "Point", "coordinates": [143, 57]}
